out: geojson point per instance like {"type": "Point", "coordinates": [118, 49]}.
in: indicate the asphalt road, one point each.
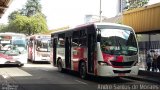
{"type": "Point", "coordinates": [46, 77]}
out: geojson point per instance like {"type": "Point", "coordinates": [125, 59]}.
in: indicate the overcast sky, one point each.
{"type": "Point", "coordinates": [61, 13]}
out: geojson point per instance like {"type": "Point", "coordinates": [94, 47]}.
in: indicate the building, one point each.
{"type": "Point", "coordinates": [93, 18]}
{"type": "Point", "coordinates": [146, 23]}
{"type": "Point", "coordinates": [118, 7]}
{"type": "Point", "coordinates": [122, 4]}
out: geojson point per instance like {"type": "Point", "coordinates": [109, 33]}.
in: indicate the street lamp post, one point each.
{"type": "Point", "coordinates": [100, 12]}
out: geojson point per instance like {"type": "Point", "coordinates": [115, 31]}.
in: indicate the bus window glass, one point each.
{"type": "Point", "coordinates": [61, 40]}
{"type": "Point", "coordinates": [43, 45]}
{"type": "Point", "coordinates": [83, 38]}
{"type": "Point", "coordinates": [20, 43]}
{"type": "Point", "coordinates": [117, 41]}
{"type": "Point", "coordinates": [75, 39]}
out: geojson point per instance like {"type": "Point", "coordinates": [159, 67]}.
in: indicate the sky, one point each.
{"type": "Point", "coordinates": [61, 13]}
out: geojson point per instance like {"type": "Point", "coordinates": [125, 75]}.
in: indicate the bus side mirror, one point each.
{"type": "Point", "coordinates": [98, 35]}
{"type": "Point", "coordinates": [99, 38]}
{"type": "Point", "coordinates": [38, 48]}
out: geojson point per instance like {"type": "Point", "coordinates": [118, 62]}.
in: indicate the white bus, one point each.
{"type": "Point", "coordinates": [13, 48]}
{"type": "Point", "coordinates": [100, 49]}
{"type": "Point", "coordinates": [39, 48]}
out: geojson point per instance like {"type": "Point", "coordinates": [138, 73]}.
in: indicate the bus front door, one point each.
{"type": "Point", "coordinates": [68, 52]}
{"type": "Point", "coordinates": [54, 51]}
{"type": "Point", "coordinates": [91, 48]}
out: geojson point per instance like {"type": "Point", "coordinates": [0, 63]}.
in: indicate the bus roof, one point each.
{"type": "Point", "coordinates": [37, 36]}
{"type": "Point", "coordinates": [96, 25]}
{"type": "Point", "coordinates": [113, 24]}
{"type": "Point", "coordinates": [12, 34]}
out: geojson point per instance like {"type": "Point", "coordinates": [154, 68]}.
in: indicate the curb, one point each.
{"type": "Point", "coordinates": [141, 78]}
{"type": "Point", "coordinates": [147, 76]}
{"type": "Point", "coordinates": [149, 73]}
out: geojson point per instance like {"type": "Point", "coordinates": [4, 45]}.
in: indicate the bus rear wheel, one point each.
{"type": "Point", "coordinates": [20, 65]}
{"type": "Point", "coordinates": [83, 70]}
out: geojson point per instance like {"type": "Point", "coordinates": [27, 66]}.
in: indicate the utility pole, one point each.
{"type": "Point", "coordinates": [100, 12]}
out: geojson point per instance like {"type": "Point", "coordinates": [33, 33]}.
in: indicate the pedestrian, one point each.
{"type": "Point", "coordinates": [1, 46]}
{"type": "Point", "coordinates": [154, 63]}
{"type": "Point", "coordinates": [158, 63]}
{"type": "Point", "coordinates": [149, 61]}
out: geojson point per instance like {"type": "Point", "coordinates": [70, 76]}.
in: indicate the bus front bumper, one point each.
{"type": "Point", "coordinates": [109, 71]}
{"type": "Point", "coordinates": [42, 59]}
{"type": "Point", "coordinates": [12, 61]}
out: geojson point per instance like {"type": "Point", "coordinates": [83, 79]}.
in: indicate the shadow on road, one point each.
{"type": "Point", "coordinates": [38, 62]}
{"type": "Point", "coordinates": [8, 65]}
{"type": "Point", "coordinates": [100, 80]}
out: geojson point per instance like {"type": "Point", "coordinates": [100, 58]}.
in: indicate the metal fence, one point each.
{"type": "Point", "coordinates": [146, 43]}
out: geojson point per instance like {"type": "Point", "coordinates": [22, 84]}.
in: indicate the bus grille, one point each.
{"type": "Point", "coordinates": [126, 71]}
{"type": "Point", "coordinates": [114, 63]}
{"type": "Point", "coordinates": [12, 54]}
{"type": "Point", "coordinates": [45, 55]}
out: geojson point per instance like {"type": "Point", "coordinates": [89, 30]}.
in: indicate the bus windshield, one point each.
{"type": "Point", "coordinates": [20, 43]}
{"type": "Point", "coordinates": [15, 45]}
{"type": "Point", "coordinates": [4, 45]}
{"type": "Point", "coordinates": [43, 45]}
{"type": "Point", "coordinates": [118, 42]}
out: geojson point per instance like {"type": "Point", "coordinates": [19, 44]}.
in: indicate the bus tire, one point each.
{"type": "Point", "coordinates": [32, 61]}
{"type": "Point", "coordinates": [20, 65]}
{"type": "Point", "coordinates": [59, 65]}
{"type": "Point", "coordinates": [83, 70]}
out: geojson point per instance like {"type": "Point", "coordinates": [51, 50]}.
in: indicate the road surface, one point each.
{"type": "Point", "coordinates": [46, 77]}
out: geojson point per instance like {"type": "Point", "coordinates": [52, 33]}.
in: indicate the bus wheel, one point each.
{"type": "Point", "coordinates": [20, 65]}
{"type": "Point", "coordinates": [60, 69]}
{"type": "Point", "coordinates": [83, 70]}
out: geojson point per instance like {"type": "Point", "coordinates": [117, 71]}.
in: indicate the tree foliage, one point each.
{"type": "Point", "coordinates": [31, 8]}
{"type": "Point", "coordinates": [13, 15]}
{"type": "Point", "coordinates": [29, 20]}
{"type": "Point", "coordinates": [19, 24]}
{"type": "Point", "coordinates": [131, 4]}
{"type": "Point", "coordinates": [39, 23]}
{"type": "Point", "coordinates": [28, 25]}
{"type": "Point", "coordinates": [3, 27]}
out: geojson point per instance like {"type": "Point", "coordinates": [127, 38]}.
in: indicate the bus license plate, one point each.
{"type": "Point", "coordinates": [121, 74]}
{"type": "Point", "coordinates": [12, 61]}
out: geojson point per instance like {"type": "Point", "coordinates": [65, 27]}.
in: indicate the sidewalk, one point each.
{"type": "Point", "coordinates": [147, 76]}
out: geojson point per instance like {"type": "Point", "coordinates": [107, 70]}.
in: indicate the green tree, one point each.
{"type": "Point", "coordinates": [38, 23]}
{"type": "Point", "coordinates": [31, 8]}
{"type": "Point", "coordinates": [131, 4]}
{"type": "Point", "coordinates": [28, 25]}
{"type": "Point", "coordinates": [28, 20]}
{"type": "Point", "coordinates": [18, 24]}
{"type": "Point", "coordinates": [2, 27]}
{"type": "Point", "coordinates": [13, 15]}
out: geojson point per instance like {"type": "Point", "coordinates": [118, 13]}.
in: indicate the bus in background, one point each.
{"type": "Point", "coordinates": [13, 48]}
{"type": "Point", "coordinates": [39, 48]}
{"type": "Point", "coordinates": [100, 49]}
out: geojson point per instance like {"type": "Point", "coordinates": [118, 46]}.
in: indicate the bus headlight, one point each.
{"type": "Point", "coordinates": [136, 63]}
{"type": "Point", "coordinates": [103, 63]}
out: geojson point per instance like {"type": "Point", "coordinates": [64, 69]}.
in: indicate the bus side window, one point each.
{"type": "Point", "coordinates": [37, 45]}
{"type": "Point", "coordinates": [31, 43]}
{"type": "Point", "coordinates": [83, 38]}
{"type": "Point", "coordinates": [75, 39]}
{"type": "Point", "coordinates": [61, 40]}
{"type": "Point", "coordinates": [75, 42]}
